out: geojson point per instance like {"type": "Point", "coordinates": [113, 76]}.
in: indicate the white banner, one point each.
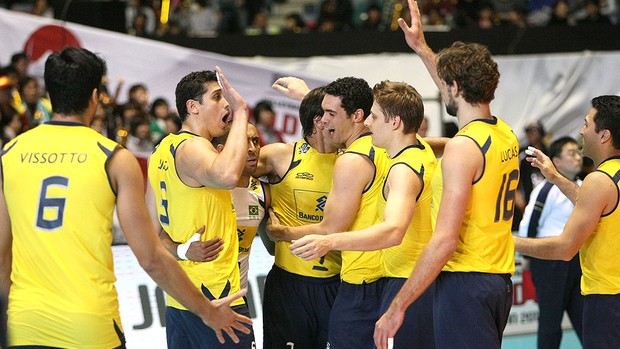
{"type": "Point", "coordinates": [555, 88]}
{"type": "Point", "coordinates": [142, 303]}
{"type": "Point", "coordinates": [159, 66]}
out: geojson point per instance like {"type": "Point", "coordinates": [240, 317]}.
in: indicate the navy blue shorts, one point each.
{"type": "Point", "coordinates": [296, 310]}
{"type": "Point", "coordinates": [417, 328]}
{"type": "Point", "coordinates": [470, 310]}
{"type": "Point", "coordinates": [354, 314]}
{"type": "Point", "coordinates": [601, 321]}
{"type": "Point", "coordinates": [186, 330]}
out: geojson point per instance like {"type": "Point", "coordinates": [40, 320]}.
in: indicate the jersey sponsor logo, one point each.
{"type": "Point", "coordinates": [53, 158]}
{"type": "Point", "coordinates": [305, 175]}
{"type": "Point", "coordinates": [320, 206]}
{"type": "Point", "coordinates": [304, 148]}
{"type": "Point", "coordinates": [309, 217]}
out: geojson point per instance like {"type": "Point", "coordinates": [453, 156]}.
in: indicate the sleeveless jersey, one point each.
{"type": "Point", "coordinates": [485, 239]}
{"type": "Point", "coordinates": [298, 199]}
{"type": "Point", "coordinates": [249, 205]}
{"type": "Point", "coordinates": [357, 266]}
{"type": "Point", "coordinates": [599, 255]}
{"type": "Point", "coordinates": [61, 203]}
{"type": "Point", "coordinates": [182, 210]}
{"type": "Point", "coordinates": [400, 260]}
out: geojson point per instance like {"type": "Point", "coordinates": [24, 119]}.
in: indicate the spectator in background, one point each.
{"type": "Point", "coordinates": [20, 62]}
{"type": "Point", "coordinates": [260, 25]}
{"type": "Point", "coordinates": [466, 13]}
{"type": "Point", "coordinates": [486, 17]}
{"type": "Point", "coordinates": [559, 16]}
{"type": "Point", "coordinates": [335, 15]}
{"type": "Point", "coordinates": [371, 19]}
{"type": "Point", "coordinates": [10, 127]}
{"type": "Point", "coordinates": [593, 14]}
{"type": "Point", "coordinates": [135, 7]}
{"type": "Point", "coordinates": [42, 8]}
{"type": "Point", "coordinates": [264, 117]}
{"type": "Point", "coordinates": [34, 108]}
{"type": "Point", "coordinates": [294, 24]}
{"type": "Point", "coordinates": [530, 176]}
{"type": "Point", "coordinates": [140, 94]}
{"type": "Point", "coordinates": [434, 18]}
{"type": "Point", "coordinates": [138, 27]}
{"type": "Point", "coordinates": [139, 141]}
{"type": "Point", "coordinates": [557, 282]}
{"type": "Point", "coordinates": [203, 19]}
{"type": "Point", "coordinates": [157, 115]}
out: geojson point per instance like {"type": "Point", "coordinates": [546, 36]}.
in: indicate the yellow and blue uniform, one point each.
{"type": "Point", "coordinates": [400, 260]}
{"type": "Point", "coordinates": [299, 294]}
{"type": "Point", "coordinates": [249, 205]}
{"type": "Point", "coordinates": [182, 210]}
{"type": "Point", "coordinates": [356, 308]}
{"type": "Point", "coordinates": [600, 282]}
{"type": "Point", "coordinates": [484, 256]}
{"type": "Point", "coordinates": [61, 203]}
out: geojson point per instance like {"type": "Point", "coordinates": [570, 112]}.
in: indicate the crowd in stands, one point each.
{"type": "Point", "coordinates": [209, 18]}
{"type": "Point", "coordinates": [138, 123]}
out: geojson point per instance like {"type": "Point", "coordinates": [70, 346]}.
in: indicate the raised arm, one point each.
{"type": "Point", "coordinates": [414, 35]}
{"type": "Point", "coordinates": [127, 182]}
{"type": "Point", "coordinates": [292, 87]}
{"type": "Point", "coordinates": [399, 210]}
{"type": "Point", "coordinates": [198, 163]}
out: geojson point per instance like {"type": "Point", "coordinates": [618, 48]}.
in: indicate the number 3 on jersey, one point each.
{"type": "Point", "coordinates": [163, 216]}
{"type": "Point", "coordinates": [52, 201]}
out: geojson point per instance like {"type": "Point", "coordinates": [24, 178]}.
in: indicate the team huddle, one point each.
{"type": "Point", "coordinates": [377, 243]}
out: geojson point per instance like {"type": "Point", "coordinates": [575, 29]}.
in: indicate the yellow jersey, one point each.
{"type": "Point", "coordinates": [298, 199]}
{"type": "Point", "coordinates": [61, 204]}
{"type": "Point", "coordinates": [182, 210]}
{"type": "Point", "coordinates": [357, 266]}
{"type": "Point", "coordinates": [600, 260]}
{"type": "Point", "coordinates": [485, 239]}
{"type": "Point", "coordinates": [400, 260]}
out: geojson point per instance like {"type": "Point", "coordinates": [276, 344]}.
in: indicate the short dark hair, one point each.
{"type": "Point", "coordinates": [400, 99]}
{"type": "Point", "coordinates": [136, 87]}
{"type": "Point", "coordinates": [310, 108]}
{"type": "Point", "coordinates": [472, 67]}
{"type": "Point", "coordinates": [555, 149]}
{"type": "Point", "coordinates": [192, 86]}
{"type": "Point", "coordinates": [261, 106]}
{"type": "Point", "coordinates": [607, 116]}
{"type": "Point", "coordinates": [156, 103]}
{"type": "Point", "coordinates": [23, 81]}
{"type": "Point", "coordinates": [354, 93]}
{"type": "Point", "coordinates": [70, 78]}
{"type": "Point", "coordinates": [18, 57]}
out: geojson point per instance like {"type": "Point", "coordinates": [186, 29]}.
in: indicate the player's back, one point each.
{"type": "Point", "coordinates": [61, 202]}
{"type": "Point", "coordinates": [485, 243]}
